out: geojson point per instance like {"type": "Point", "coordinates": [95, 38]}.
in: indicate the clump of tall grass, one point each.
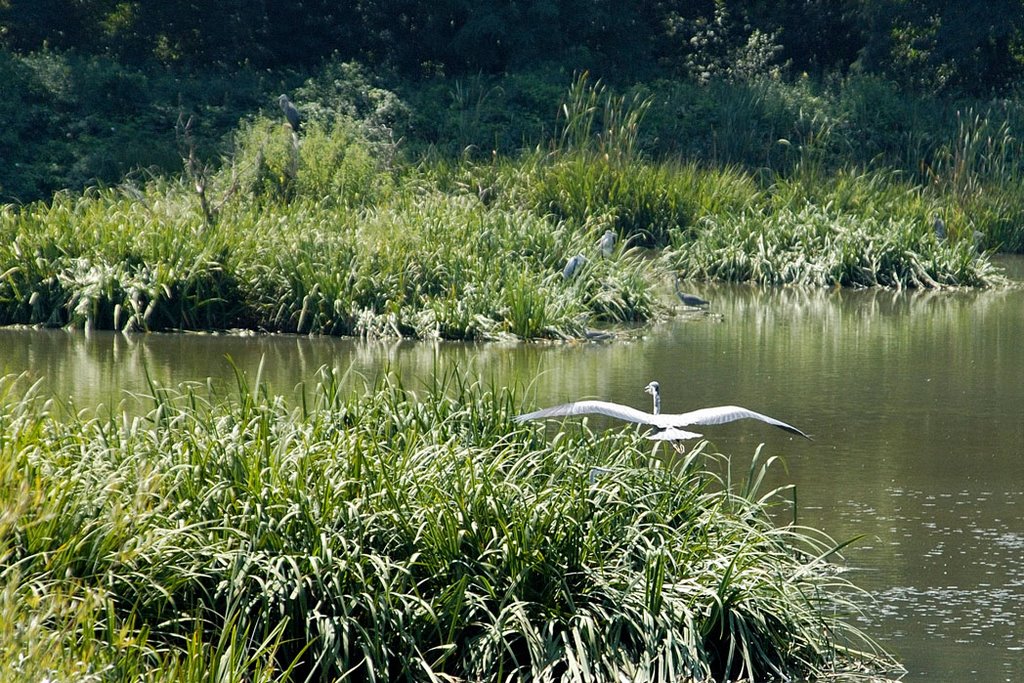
{"type": "Point", "coordinates": [418, 262]}
{"type": "Point", "coordinates": [389, 536]}
{"type": "Point", "coordinates": [434, 265]}
{"type": "Point", "coordinates": [644, 201]}
{"type": "Point", "coordinates": [332, 161]}
{"type": "Point", "coordinates": [115, 259]}
{"type": "Point", "coordinates": [819, 246]}
{"type": "Point", "coordinates": [979, 170]}
{"type": "Point", "coordinates": [594, 169]}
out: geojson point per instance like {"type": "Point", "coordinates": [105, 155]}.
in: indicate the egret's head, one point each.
{"type": "Point", "coordinates": [653, 388]}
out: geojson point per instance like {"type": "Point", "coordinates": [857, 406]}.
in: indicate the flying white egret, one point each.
{"type": "Point", "coordinates": [668, 427]}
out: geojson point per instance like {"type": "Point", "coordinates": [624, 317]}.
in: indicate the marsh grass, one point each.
{"type": "Point", "coordinates": [331, 233]}
{"type": "Point", "coordinates": [815, 247]}
{"type": "Point", "coordinates": [594, 170]}
{"type": "Point", "coordinates": [979, 169]}
{"type": "Point", "coordinates": [393, 535]}
{"type": "Point", "coordinates": [334, 163]}
{"type": "Point", "coordinates": [421, 263]}
{"type": "Point", "coordinates": [314, 236]}
{"type": "Point", "coordinates": [644, 202]}
{"type": "Point", "coordinates": [851, 229]}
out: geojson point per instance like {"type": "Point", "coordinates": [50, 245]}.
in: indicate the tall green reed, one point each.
{"type": "Point", "coordinates": [824, 247]}
{"type": "Point", "coordinates": [598, 123]}
{"type": "Point", "coordinates": [398, 535]}
{"type": "Point", "coordinates": [423, 263]}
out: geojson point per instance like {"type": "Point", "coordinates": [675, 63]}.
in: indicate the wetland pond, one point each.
{"type": "Point", "coordinates": [915, 401]}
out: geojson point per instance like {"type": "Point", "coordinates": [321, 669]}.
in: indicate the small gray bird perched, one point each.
{"type": "Point", "coordinates": [290, 112]}
{"type": "Point", "coordinates": [607, 243]}
{"type": "Point", "coordinates": [939, 226]}
{"type": "Point", "coordinates": [573, 265]}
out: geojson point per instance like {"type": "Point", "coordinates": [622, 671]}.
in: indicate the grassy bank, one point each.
{"type": "Point", "coordinates": [425, 264]}
{"type": "Point", "coordinates": [848, 230]}
{"type": "Point", "coordinates": [390, 536]}
{"type": "Point", "coordinates": [336, 232]}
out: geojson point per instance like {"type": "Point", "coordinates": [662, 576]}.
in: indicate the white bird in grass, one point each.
{"type": "Point", "coordinates": [668, 426]}
{"type": "Point", "coordinates": [607, 244]}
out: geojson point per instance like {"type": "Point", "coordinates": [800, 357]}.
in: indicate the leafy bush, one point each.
{"type": "Point", "coordinates": [73, 121]}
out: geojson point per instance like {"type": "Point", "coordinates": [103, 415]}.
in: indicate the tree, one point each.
{"type": "Point", "coordinates": [938, 45]}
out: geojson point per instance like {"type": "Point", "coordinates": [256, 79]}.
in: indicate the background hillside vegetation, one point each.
{"type": "Point", "coordinates": [449, 164]}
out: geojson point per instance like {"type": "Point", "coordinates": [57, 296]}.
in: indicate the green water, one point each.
{"type": "Point", "coordinates": [915, 402]}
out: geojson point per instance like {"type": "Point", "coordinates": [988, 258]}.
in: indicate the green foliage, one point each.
{"type": "Point", "coordinates": [346, 91]}
{"type": "Point", "coordinates": [477, 115]}
{"type": "Point", "coordinates": [72, 121]}
{"type": "Point", "coordinates": [595, 174]}
{"type": "Point", "coordinates": [330, 246]}
{"type": "Point", "coordinates": [945, 46]}
{"type": "Point", "coordinates": [382, 537]}
{"type": "Point", "coordinates": [113, 260]}
{"type": "Point", "coordinates": [925, 45]}
{"type": "Point", "coordinates": [717, 46]}
{"type": "Point", "coordinates": [333, 163]}
{"type": "Point", "coordinates": [822, 245]}
{"type": "Point", "coordinates": [641, 201]}
{"type": "Point", "coordinates": [596, 122]}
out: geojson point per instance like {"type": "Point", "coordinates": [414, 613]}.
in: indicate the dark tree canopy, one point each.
{"type": "Point", "coordinates": [931, 44]}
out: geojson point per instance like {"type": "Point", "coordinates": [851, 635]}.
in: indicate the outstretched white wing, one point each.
{"type": "Point", "coordinates": [616, 410]}
{"type": "Point", "coordinates": [721, 415]}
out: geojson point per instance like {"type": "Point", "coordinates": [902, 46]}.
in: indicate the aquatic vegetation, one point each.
{"type": "Point", "coordinates": [824, 246]}
{"type": "Point", "coordinates": [334, 234]}
{"type": "Point", "coordinates": [393, 535]}
{"type": "Point", "coordinates": [641, 201]}
{"type": "Point", "coordinates": [424, 264]}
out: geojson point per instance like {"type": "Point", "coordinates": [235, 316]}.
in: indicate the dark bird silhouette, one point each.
{"type": "Point", "coordinates": [290, 112]}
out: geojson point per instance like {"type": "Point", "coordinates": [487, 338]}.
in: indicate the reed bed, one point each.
{"type": "Point", "coordinates": [393, 535]}
{"type": "Point", "coordinates": [848, 230]}
{"type": "Point", "coordinates": [332, 233]}
{"type": "Point", "coordinates": [424, 264]}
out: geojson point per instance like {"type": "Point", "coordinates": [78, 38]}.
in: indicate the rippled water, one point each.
{"type": "Point", "coordinates": [915, 401]}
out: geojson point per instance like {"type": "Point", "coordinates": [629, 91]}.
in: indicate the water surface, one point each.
{"type": "Point", "coordinates": [915, 402]}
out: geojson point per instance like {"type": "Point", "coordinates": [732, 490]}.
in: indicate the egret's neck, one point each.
{"type": "Point", "coordinates": [657, 402]}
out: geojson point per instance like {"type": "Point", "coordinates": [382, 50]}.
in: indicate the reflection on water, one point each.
{"type": "Point", "coordinates": [915, 401]}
